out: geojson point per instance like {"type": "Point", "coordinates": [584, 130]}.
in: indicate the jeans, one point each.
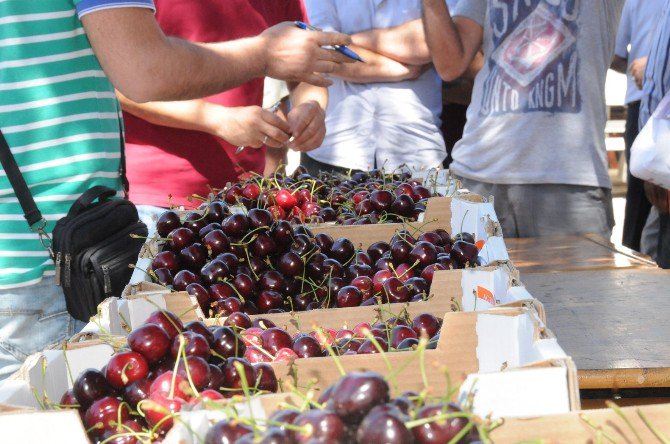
{"type": "Point", "coordinates": [549, 209]}
{"type": "Point", "coordinates": [31, 319]}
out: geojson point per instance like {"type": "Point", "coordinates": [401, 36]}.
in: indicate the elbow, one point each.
{"type": "Point", "coordinates": [142, 90]}
{"type": "Point", "coordinates": [450, 72]}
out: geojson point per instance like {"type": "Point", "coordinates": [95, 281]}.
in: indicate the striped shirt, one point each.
{"type": "Point", "coordinates": [657, 73]}
{"type": "Point", "coordinates": [60, 117]}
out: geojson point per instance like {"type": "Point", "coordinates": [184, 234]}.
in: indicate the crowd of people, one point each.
{"type": "Point", "coordinates": [182, 83]}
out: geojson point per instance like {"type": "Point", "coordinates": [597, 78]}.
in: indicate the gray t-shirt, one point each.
{"type": "Point", "coordinates": [538, 106]}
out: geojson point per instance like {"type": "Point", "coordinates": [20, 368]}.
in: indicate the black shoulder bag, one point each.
{"type": "Point", "coordinates": [92, 246]}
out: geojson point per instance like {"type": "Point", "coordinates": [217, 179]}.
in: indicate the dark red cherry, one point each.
{"type": "Point", "coordinates": [464, 252]}
{"type": "Point", "coordinates": [306, 346]}
{"type": "Point", "coordinates": [235, 225]}
{"type": "Point", "coordinates": [400, 333]}
{"type": "Point", "coordinates": [217, 211]}
{"type": "Point", "coordinates": [290, 264]}
{"type": "Point", "coordinates": [342, 250]}
{"type": "Point", "coordinates": [377, 250]}
{"type": "Point", "coordinates": [201, 294]}
{"type": "Point", "coordinates": [227, 343]}
{"type": "Point", "coordinates": [194, 221]}
{"type": "Point", "coordinates": [439, 431]}
{"type": "Point", "coordinates": [319, 426]}
{"type": "Point", "coordinates": [424, 253]}
{"type": "Point", "coordinates": [208, 229]}
{"type": "Point", "coordinates": [263, 246]}
{"type": "Point", "coordinates": [90, 386]}
{"type": "Point", "coordinates": [265, 375]}
{"type": "Point", "coordinates": [403, 205]}
{"type": "Point", "coordinates": [238, 321]}
{"type": "Point", "coordinates": [183, 279]}
{"type": "Point", "coordinates": [151, 341]}
{"type": "Point", "coordinates": [214, 271]}
{"type": "Point", "coordinates": [259, 218]}
{"type": "Point", "coordinates": [275, 339]}
{"type": "Point", "coordinates": [124, 368]}
{"type": "Point", "coordinates": [395, 291]}
{"type": "Point", "coordinates": [400, 250]}
{"type": "Point", "coordinates": [216, 242]}
{"type": "Point", "coordinates": [215, 377]}
{"type": "Point", "coordinates": [200, 328]}
{"type": "Point", "coordinates": [180, 238]}
{"type": "Point", "coordinates": [244, 285]}
{"type": "Point", "coordinates": [368, 347]}
{"type": "Point", "coordinates": [384, 424]}
{"type": "Point", "coordinates": [101, 415]}
{"type": "Point", "coordinates": [167, 222]}
{"type": "Point", "coordinates": [165, 259]}
{"type": "Point", "coordinates": [236, 379]}
{"type": "Point", "coordinates": [163, 276]}
{"type": "Point", "coordinates": [357, 393]}
{"type": "Point", "coordinates": [135, 392]}
{"type": "Point", "coordinates": [198, 370]}
{"type": "Point", "coordinates": [167, 320]}
{"type": "Point", "coordinates": [426, 324]}
{"type": "Point", "coordinates": [193, 257]}
{"type": "Point", "coordinates": [225, 432]}
{"type": "Point", "coordinates": [349, 296]}
{"type": "Point", "coordinates": [268, 300]}
{"type": "Point", "coordinates": [194, 345]}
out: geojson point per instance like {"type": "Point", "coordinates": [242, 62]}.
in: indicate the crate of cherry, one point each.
{"type": "Point", "coordinates": [256, 264]}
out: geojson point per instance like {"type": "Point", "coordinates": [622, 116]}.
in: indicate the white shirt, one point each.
{"type": "Point", "coordinates": [386, 124]}
{"type": "Point", "coordinates": [638, 23]}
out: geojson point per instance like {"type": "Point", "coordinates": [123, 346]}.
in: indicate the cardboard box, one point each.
{"type": "Point", "coordinates": [119, 316]}
{"type": "Point", "coordinates": [479, 350]}
{"type": "Point", "coordinates": [28, 427]}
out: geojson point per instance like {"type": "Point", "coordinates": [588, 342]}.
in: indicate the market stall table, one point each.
{"type": "Point", "coordinates": [571, 253]}
{"type": "Point", "coordinates": [614, 324]}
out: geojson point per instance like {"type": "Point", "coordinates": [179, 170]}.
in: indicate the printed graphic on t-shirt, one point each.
{"type": "Point", "coordinates": [534, 62]}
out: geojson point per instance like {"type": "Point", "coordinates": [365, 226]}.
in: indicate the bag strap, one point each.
{"type": "Point", "coordinates": [99, 192]}
{"type": "Point", "coordinates": [30, 210]}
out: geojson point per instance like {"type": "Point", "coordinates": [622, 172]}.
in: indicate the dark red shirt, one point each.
{"type": "Point", "coordinates": [164, 161]}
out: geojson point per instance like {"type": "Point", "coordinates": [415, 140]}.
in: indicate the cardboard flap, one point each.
{"type": "Point", "coordinates": [57, 426]}
{"type": "Point", "coordinates": [494, 250]}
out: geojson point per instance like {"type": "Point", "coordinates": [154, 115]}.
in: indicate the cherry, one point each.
{"type": "Point", "coordinates": [302, 300]}
{"type": "Point", "coordinates": [216, 242]}
{"type": "Point", "coordinates": [194, 256]}
{"type": "Point", "coordinates": [124, 368]}
{"type": "Point", "coordinates": [269, 300]}
{"type": "Point", "coordinates": [426, 324]}
{"type": "Point", "coordinates": [208, 228]}
{"type": "Point", "coordinates": [306, 346]}
{"type": "Point", "coordinates": [377, 250]}
{"type": "Point", "coordinates": [265, 375]}
{"type": "Point", "coordinates": [285, 199]}
{"type": "Point", "coordinates": [232, 194]}
{"type": "Point", "coordinates": [432, 237]}
{"type": "Point", "coordinates": [400, 250]}
{"type": "Point", "coordinates": [69, 400]}
{"type": "Point", "coordinates": [382, 200]}
{"type": "Point", "coordinates": [103, 413]}
{"type": "Point", "coordinates": [225, 432]}
{"type": "Point", "coordinates": [282, 233]}
{"type": "Point", "coordinates": [439, 431]}
{"type": "Point", "coordinates": [194, 345]}
{"type": "Point", "coordinates": [395, 290]}
{"type": "Point", "coordinates": [244, 285]}
{"type": "Point", "coordinates": [255, 355]}
{"type": "Point", "coordinates": [198, 369]}
{"type": "Point", "coordinates": [417, 285]}
{"type": "Point", "coordinates": [135, 392]}
{"type": "Point", "coordinates": [90, 386]}
{"type": "Point", "coordinates": [163, 385]}
{"type": "Point", "coordinates": [379, 279]}
{"type": "Point", "coordinates": [167, 222]}
{"type": "Point", "coordinates": [274, 339]}
{"type": "Point", "coordinates": [180, 238]}
{"type": "Point", "coordinates": [259, 218]}
{"type": "Point", "coordinates": [194, 221]}
{"type": "Point", "coordinates": [232, 379]}
{"type": "Point", "coordinates": [404, 272]}
{"type": "Point", "coordinates": [263, 246]}
{"type": "Point", "coordinates": [285, 354]}
{"type": "Point", "coordinates": [201, 294]}
{"type": "Point", "coordinates": [349, 296]}
{"type": "Point", "coordinates": [424, 253]}
{"type": "Point", "coordinates": [328, 214]}
{"type": "Point", "coordinates": [159, 410]}
{"type": "Point", "coordinates": [168, 321]}
{"type": "Point", "coordinates": [238, 321]}
{"type": "Point", "coordinates": [403, 205]}
{"type": "Point", "coordinates": [165, 259]}
{"type": "Point", "coordinates": [357, 393]}
{"type": "Point", "coordinates": [183, 279]}
{"type": "Point", "coordinates": [302, 245]}
{"type": "Point", "coordinates": [356, 270]}
{"type": "Point", "coordinates": [271, 280]}
{"type": "Point", "coordinates": [210, 395]}
{"type": "Point", "coordinates": [319, 426]}
{"type": "Point", "coordinates": [215, 377]}
{"type": "Point", "coordinates": [369, 348]}
{"type": "Point", "coordinates": [290, 264]}
{"type": "Point", "coordinates": [227, 343]}
{"type": "Point", "coordinates": [384, 423]}
{"type": "Point", "coordinates": [464, 252]}
{"type": "Point", "coordinates": [151, 341]}
{"type": "Point", "coordinates": [214, 271]}
{"type": "Point", "coordinates": [342, 250]}
{"type": "Point", "coordinates": [217, 211]}
{"type": "Point", "coordinates": [428, 272]}
{"type": "Point", "coordinates": [126, 433]}
{"type": "Point", "coordinates": [407, 344]}
{"type": "Point", "coordinates": [400, 333]}
{"type": "Point", "coordinates": [333, 268]}
{"type": "Point", "coordinates": [221, 291]}
{"type": "Point", "coordinates": [251, 191]}
{"type": "Point", "coordinates": [235, 225]}
{"type": "Point", "coordinates": [364, 285]}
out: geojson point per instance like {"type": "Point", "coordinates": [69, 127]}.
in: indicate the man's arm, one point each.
{"type": "Point", "coordinates": [619, 64]}
{"type": "Point", "coordinates": [239, 126]}
{"type": "Point", "coordinates": [405, 43]}
{"type": "Point", "coordinates": [307, 117]}
{"type": "Point", "coordinates": [453, 43]}
{"type": "Point", "coordinates": [146, 65]}
{"type": "Point", "coordinates": [377, 68]}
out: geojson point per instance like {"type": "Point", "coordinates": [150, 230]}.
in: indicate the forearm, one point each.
{"type": "Point", "coordinates": [303, 92]}
{"type": "Point", "coordinates": [452, 46]}
{"type": "Point", "coordinates": [188, 114]}
{"type": "Point", "coordinates": [405, 43]}
{"type": "Point", "coordinates": [275, 161]}
{"type": "Point", "coordinates": [377, 68]}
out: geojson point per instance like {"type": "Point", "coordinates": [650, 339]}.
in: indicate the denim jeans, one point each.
{"type": "Point", "coordinates": [31, 319]}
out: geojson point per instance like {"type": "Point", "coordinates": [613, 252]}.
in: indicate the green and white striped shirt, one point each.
{"type": "Point", "coordinates": [60, 117]}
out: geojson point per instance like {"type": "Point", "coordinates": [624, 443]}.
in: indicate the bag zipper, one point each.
{"type": "Point", "coordinates": [107, 285]}
{"type": "Point", "coordinates": [59, 257]}
{"type": "Point", "coordinates": [66, 278]}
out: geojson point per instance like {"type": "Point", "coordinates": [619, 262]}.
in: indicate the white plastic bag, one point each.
{"type": "Point", "coordinates": [650, 153]}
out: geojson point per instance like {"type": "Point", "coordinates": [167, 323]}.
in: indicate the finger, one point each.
{"type": "Point", "coordinates": [316, 80]}
{"type": "Point", "coordinates": [313, 142]}
{"type": "Point", "coordinates": [276, 121]}
{"type": "Point", "coordinates": [306, 132]}
{"type": "Point", "coordinates": [331, 38]}
{"type": "Point", "coordinates": [332, 56]}
{"type": "Point", "coordinates": [299, 121]}
{"type": "Point", "coordinates": [274, 134]}
{"type": "Point", "coordinates": [325, 66]}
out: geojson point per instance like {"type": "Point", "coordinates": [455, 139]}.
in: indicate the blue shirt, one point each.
{"type": "Point", "coordinates": [657, 74]}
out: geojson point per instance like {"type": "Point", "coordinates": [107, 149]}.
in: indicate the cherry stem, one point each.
{"type": "Point", "coordinates": [622, 415]}
{"type": "Point", "coordinates": [320, 333]}
{"type": "Point", "coordinates": [657, 433]}
{"type": "Point", "coordinates": [600, 433]}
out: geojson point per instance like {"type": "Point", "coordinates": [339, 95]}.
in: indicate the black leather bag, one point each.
{"type": "Point", "coordinates": [92, 246]}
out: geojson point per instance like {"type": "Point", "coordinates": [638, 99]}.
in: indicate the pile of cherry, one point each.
{"type": "Point", "coordinates": [256, 264]}
{"type": "Point", "coordinates": [266, 342]}
{"type": "Point", "coordinates": [363, 198]}
{"type": "Point", "coordinates": [164, 366]}
{"type": "Point", "coordinates": [356, 409]}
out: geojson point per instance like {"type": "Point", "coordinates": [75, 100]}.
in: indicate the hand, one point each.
{"type": "Point", "coordinates": [307, 123]}
{"type": "Point", "coordinates": [297, 55]}
{"type": "Point", "coordinates": [636, 69]}
{"type": "Point", "coordinates": [658, 196]}
{"type": "Point", "coordinates": [250, 126]}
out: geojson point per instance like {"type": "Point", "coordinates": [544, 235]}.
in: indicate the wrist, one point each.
{"type": "Point", "coordinates": [258, 55]}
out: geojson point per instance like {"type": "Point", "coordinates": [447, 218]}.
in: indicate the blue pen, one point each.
{"type": "Point", "coordinates": [339, 48]}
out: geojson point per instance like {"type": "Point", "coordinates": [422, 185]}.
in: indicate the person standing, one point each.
{"type": "Point", "coordinates": [384, 112]}
{"type": "Point", "coordinates": [60, 61]}
{"type": "Point", "coordinates": [534, 137]}
{"type": "Point", "coordinates": [638, 22]}
{"type": "Point", "coordinates": [178, 149]}
{"type": "Point", "coordinates": [656, 85]}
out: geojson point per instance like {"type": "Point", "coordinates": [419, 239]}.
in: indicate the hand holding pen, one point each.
{"type": "Point", "coordinates": [342, 49]}
{"type": "Point", "coordinates": [271, 109]}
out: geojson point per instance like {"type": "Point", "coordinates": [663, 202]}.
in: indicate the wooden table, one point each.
{"type": "Point", "coordinates": [572, 253]}
{"type": "Point", "coordinates": [614, 323]}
